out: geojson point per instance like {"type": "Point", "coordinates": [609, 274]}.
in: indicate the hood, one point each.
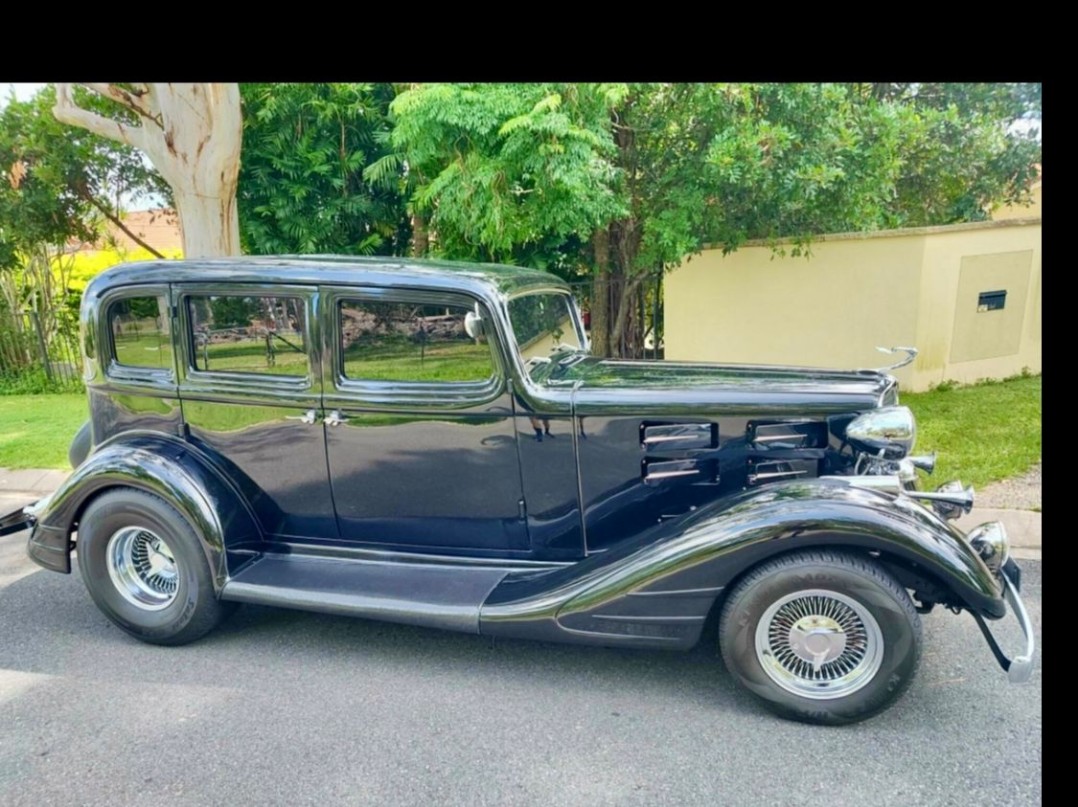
{"type": "Point", "coordinates": [612, 381]}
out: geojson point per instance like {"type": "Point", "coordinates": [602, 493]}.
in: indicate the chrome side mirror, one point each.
{"type": "Point", "coordinates": [474, 325]}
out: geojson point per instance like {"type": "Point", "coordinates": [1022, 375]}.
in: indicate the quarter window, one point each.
{"type": "Point", "coordinates": [141, 336]}
{"type": "Point", "coordinates": [235, 333]}
{"type": "Point", "coordinates": [390, 341]}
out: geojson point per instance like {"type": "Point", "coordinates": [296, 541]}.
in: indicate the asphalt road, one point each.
{"type": "Point", "coordinates": [280, 707]}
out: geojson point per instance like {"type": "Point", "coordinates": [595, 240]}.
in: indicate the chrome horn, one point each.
{"type": "Point", "coordinates": [949, 501]}
{"type": "Point", "coordinates": [926, 462]}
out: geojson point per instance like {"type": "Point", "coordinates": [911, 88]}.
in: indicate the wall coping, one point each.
{"type": "Point", "coordinates": [902, 232]}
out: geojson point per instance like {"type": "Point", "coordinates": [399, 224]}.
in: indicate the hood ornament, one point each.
{"type": "Point", "coordinates": [911, 354]}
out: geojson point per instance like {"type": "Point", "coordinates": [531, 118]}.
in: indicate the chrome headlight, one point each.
{"type": "Point", "coordinates": [990, 541]}
{"type": "Point", "coordinates": [889, 429]}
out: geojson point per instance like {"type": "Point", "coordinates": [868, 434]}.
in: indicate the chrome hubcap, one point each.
{"type": "Point", "coordinates": [142, 567]}
{"type": "Point", "coordinates": [819, 644]}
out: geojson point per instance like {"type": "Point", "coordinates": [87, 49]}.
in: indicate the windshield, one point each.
{"type": "Point", "coordinates": [545, 324]}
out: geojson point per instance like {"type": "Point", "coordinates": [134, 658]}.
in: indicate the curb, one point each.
{"type": "Point", "coordinates": [31, 481]}
{"type": "Point", "coordinates": [1023, 526]}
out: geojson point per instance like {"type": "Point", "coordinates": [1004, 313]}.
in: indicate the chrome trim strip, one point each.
{"type": "Point", "coordinates": [678, 592]}
{"type": "Point", "coordinates": [774, 475]}
{"type": "Point", "coordinates": [773, 438]}
{"type": "Point", "coordinates": [367, 554]}
{"type": "Point", "coordinates": [668, 474]}
{"type": "Point", "coordinates": [651, 619]}
{"type": "Point", "coordinates": [679, 438]}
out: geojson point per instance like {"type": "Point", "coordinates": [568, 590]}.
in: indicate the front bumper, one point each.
{"type": "Point", "coordinates": [1019, 668]}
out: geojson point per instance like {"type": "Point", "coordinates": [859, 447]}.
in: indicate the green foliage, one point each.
{"type": "Point", "coordinates": [301, 184]}
{"type": "Point", "coordinates": [34, 381]}
{"type": "Point", "coordinates": [506, 167]}
{"type": "Point", "coordinates": [57, 184]}
{"type": "Point", "coordinates": [528, 172]}
{"type": "Point", "coordinates": [55, 180]}
{"type": "Point", "coordinates": [983, 432]}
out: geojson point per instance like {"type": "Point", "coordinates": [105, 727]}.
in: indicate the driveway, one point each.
{"type": "Point", "coordinates": [280, 707]}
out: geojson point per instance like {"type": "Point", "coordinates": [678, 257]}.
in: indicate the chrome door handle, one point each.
{"type": "Point", "coordinates": [307, 417]}
{"type": "Point", "coordinates": [334, 418]}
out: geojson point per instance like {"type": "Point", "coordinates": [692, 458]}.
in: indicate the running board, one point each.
{"type": "Point", "coordinates": [447, 597]}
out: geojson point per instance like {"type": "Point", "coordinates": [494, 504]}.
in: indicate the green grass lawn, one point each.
{"type": "Point", "coordinates": [36, 430]}
{"type": "Point", "coordinates": [983, 432]}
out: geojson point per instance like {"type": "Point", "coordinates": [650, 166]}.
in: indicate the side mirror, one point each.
{"type": "Point", "coordinates": [474, 325]}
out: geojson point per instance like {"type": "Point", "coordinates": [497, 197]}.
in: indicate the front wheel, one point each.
{"type": "Point", "coordinates": [144, 568]}
{"type": "Point", "coordinates": [821, 636]}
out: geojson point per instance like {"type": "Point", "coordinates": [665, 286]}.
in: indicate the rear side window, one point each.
{"type": "Point", "coordinates": [141, 334]}
{"type": "Point", "coordinates": [389, 341]}
{"type": "Point", "coordinates": [235, 333]}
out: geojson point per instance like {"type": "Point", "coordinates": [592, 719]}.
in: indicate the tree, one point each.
{"type": "Point", "coordinates": [974, 147]}
{"type": "Point", "coordinates": [646, 174]}
{"type": "Point", "coordinates": [510, 172]}
{"type": "Point", "coordinates": [192, 133]}
{"type": "Point", "coordinates": [57, 185]}
{"type": "Point", "coordinates": [301, 185]}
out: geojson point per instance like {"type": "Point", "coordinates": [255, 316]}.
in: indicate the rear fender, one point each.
{"type": "Point", "coordinates": [658, 589]}
{"type": "Point", "coordinates": [158, 464]}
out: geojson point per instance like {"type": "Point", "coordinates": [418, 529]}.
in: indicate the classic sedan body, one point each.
{"type": "Point", "coordinates": [431, 443]}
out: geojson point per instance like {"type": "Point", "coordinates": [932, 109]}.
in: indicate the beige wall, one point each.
{"type": "Point", "coordinates": [1021, 211]}
{"type": "Point", "coordinates": [902, 287]}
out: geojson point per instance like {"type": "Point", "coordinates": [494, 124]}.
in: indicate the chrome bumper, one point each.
{"type": "Point", "coordinates": [1020, 667]}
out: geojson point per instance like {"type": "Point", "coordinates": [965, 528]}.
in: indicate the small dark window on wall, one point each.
{"type": "Point", "coordinates": [140, 333]}
{"type": "Point", "coordinates": [991, 300]}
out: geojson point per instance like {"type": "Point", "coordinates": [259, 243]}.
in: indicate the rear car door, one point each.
{"type": "Point", "coordinates": [251, 389]}
{"type": "Point", "coordinates": [419, 425]}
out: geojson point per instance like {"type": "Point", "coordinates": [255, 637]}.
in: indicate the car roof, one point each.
{"type": "Point", "coordinates": [484, 279]}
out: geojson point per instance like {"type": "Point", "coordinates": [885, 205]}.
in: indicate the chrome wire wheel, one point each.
{"type": "Point", "coordinates": [819, 644]}
{"type": "Point", "coordinates": [142, 567]}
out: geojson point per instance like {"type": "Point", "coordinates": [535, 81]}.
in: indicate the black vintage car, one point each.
{"type": "Point", "coordinates": [431, 443]}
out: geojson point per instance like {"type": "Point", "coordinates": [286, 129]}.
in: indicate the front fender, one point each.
{"type": "Point", "coordinates": [657, 589]}
{"type": "Point", "coordinates": [158, 464]}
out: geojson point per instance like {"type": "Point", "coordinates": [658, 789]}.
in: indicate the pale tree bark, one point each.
{"type": "Point", "coordinates": [192, 134]}
{"type": "Point", "coordinates": [420, 236]}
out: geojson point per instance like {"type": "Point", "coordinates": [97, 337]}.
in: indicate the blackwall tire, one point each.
{"type": "Point", "coordinates": [144, 567]}
{"type": "Point", "coordinates": [821, 636]}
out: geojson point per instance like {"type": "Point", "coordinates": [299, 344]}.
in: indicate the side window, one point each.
{"type": "Point", "coordinates": [383, 341]}
{"type": "Point", "coordinates": [141, 336]}
{"type": "Point", "coordinates": [235, 333]}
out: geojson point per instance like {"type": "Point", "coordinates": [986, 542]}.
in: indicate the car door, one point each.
{"type": "Point", "coordinates": [420, 432]}
{"type": "Point", "coordinates": [250, 389]}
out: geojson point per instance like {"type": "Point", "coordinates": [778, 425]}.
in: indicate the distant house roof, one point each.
{"type": "Point", "coordinates": [159, 228]}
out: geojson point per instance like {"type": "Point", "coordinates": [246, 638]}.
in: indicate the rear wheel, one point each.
{"type": "Point", "coordinates": [144, 568]}
{"type": "Point", "coordinates": [821, 636]}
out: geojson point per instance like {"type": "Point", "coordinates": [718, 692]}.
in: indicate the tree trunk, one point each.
{"type": "Point", "coordinates": [600, 294]}
{"type": "Point", "coordinates": [192, 134]}
{"type": "Point", "coordinates": [209, 224]}
{"type": "Point", "coordinates": [420, 237]}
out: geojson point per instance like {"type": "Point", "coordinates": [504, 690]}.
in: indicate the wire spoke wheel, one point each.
{"type": "Point", "coordinates": [142, 567]}
{"type": "Point", "coordinates": [819, 644]}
